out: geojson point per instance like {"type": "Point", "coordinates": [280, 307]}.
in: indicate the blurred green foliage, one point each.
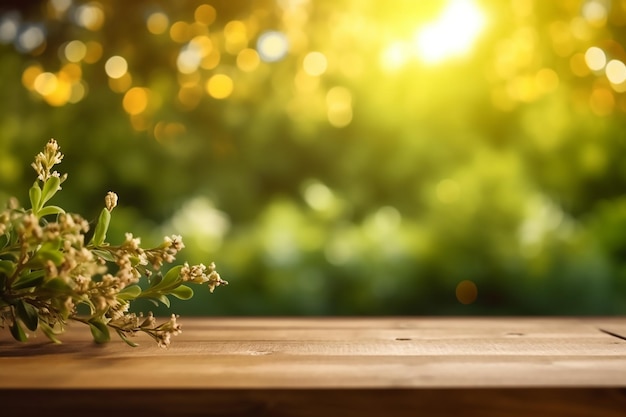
{"type": "Point", "coordinates": [340, 157]}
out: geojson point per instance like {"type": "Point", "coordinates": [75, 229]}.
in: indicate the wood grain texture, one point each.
{"type": "Point", "coordinates": [362, 365]}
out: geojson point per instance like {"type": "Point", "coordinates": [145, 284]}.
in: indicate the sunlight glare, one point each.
{"type": "Point", "coordinates": [394, 56]}
{"type": "Point", "coordinates": [452, 34]}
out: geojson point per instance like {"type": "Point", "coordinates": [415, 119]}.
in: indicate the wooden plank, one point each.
{"type": "Point", "coordinates": [336, 366]}
{"type": "Point", "coordinates": [332, 353]}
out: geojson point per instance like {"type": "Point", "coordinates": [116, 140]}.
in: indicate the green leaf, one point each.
{"type": "Point", "coordinates": [50, 210]}
{"type": "Point", "coordinates": [84, 300]}
{"type": "Point", "coordinates": [17, 332]}
{"type": "Point", "coordinates": [156, 279]}
{"type": "Point", "coordinates": [160, 298]}
{"type": "Point", "coordinates": [51, 244]}
{"type": "Point", "coordinates": [35, 197]}
{"type": "Point", "coordinates": [169, 280]}
{"type": "Point", "coordinates": [182, 292]}
{"type": "Point", "coordinates": [99, 330]}
{"type": "Point", "coordinates": [102, 227]}
{"type": "Point", "coordinates": [153, 301]}
{"type": "Point", "coordinates": [106, 255]}
{"type": "Point", "coordinates": [31, 279]}
{"type": "Point", "coordinates": [163, 299]}
{"type": "Point", "coordinates": [28, 314]}
{"type": "Point", "coordinates": [126, 339]}
{"type": "Point", "coordinates": [57, 285]}
{"type": "Point", "coordinates": [50, 255]}
{"type": "Point", "coordinates": [50, 188]}
{"type": "Point", "coordinates": [134, 261]}
{"type": "Point", "coordinates": [49, 332]}
{"type": "Point", "coordinates": [7, 267]}
{"type": "Point", "coordinates": [129, 293]}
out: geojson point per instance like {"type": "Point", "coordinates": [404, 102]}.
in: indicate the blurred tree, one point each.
{"type": "Point", "coordinates": [340, 157]}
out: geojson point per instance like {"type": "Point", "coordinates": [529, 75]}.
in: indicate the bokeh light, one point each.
{"type": "Point", "coordinates": [248, 60]}
{"type": "Point", "coordinates": [339, 102]}
{"type": "Point", "coordinates": [94, 52]}
{"type": "Point", "coordinates": [121, 84]}
{"type": "Point", "coordinates": [181, 32]}
{"type": "Point", "coordinates": [595, 12]}
{"type": "Point", "coordinates": [595, 58]}
{"type": "Point", "coordinates": [616, 71]}
{"type": "Point", "coordinates": [157, 23]}
{"type": "Point", "coordinates": [116, 66]}
{"type": "Point", "coordinates": [75, 51]}
{"type": "Point", "coordinates": [90, 16]}
{"type": "Point", "coordinates": [30, 38]}
{"type": "Point", "coordinates": [315, 63]}
{"type": "Point", "coordinates": [205, 14]}
{"type": "Point", "coordinates": [318, 196]}
{"type": "Point", "coordinates": [136, 100]}
{"type": "Point", "coordinates": [9, 26]}
{"type": "Point", "coordinates": [220, 86]}
{"type": "Point", "coordinates": [466, 292]}
{"type": "Point", "coordinates": [45, 83]}
{"type": "Point", "coordinates": [61, 6]}
{"type": "Point", "coordinates": [235, 36]}
{"type": "Point", "coordinates": [272, 46]}
{"type": "Point", "coordinates": [30, 74]}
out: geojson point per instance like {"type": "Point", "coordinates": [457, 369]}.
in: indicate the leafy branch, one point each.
{"type": "Point", "coordinates": [49, 275]}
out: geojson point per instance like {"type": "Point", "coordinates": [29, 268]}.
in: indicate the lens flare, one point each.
{"type": "Point", "coordinates": [453, 34]}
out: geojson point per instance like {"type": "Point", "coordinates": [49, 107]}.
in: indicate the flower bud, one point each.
{"type": "Point", "coordinates": [110, 201]}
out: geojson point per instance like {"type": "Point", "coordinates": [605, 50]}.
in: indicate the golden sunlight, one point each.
{"type": "Point", "coordinates": [452, 34]}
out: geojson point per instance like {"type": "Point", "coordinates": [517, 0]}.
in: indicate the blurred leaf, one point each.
{"type": "Point", "coordinates": [17, 332]}
{"type": "Point", "coordinates": [134, 261]}
{"type": "Point", "coordinates": [55, 256]}
{"type": "Point", "coordinates": [49, 332]}
{"type": "Point", "coordinates": [7, 267]}
{"type": "Point", "coordinates": [159, 299]}
{"type": "Point", "coordinates": [57, 285]}
{"type": "Point", "coordinates": [28, 314]}
{"type": "Point", "coordinates": [106, 255]}
{"type": "Point", "coordinates": [28, 280]}
{"type": "Point", "coordinates": [126, 339]}
{"type": "Point", "coordinates": [99, 330]}
{"type": "Point", "coordinates": [156, 279]}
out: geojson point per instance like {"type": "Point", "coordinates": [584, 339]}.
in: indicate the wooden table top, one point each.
{"type": "Point", "coordinates": [579, 359]}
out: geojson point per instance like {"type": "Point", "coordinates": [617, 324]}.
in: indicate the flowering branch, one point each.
{"type": "Point", "coordinates": [48, 273]}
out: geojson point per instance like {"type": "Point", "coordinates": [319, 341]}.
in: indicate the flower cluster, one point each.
{"type": "Point", "coordinates": [51, 274]}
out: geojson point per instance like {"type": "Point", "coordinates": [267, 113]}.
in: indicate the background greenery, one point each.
{"type": "Point", "coordinates": [422, 151]}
